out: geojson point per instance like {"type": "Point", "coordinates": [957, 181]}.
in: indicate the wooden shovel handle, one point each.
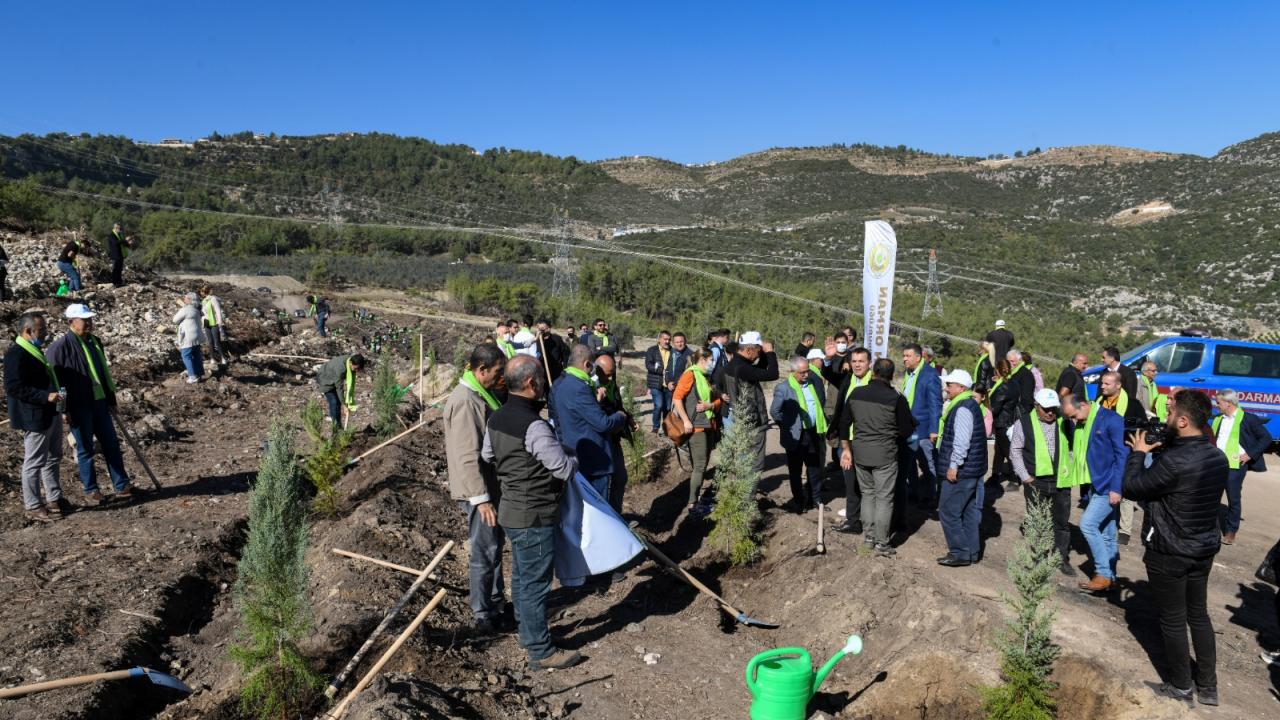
{"type": "Point", "coordinates": [21, 690]}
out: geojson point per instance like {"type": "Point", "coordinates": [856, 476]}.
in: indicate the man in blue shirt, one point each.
{"type": "Point", "coordinates": [923, 392]}
{"type": "Point", "coordinates": [1098, 453]}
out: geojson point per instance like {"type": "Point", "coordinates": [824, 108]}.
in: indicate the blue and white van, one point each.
{"type": "Point", "coordinates": [1211, 364]}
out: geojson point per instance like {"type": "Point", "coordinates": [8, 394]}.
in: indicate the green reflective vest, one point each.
{"type": "Point", "coordinates": [805, 394]}
{"type": "Point", "coordinates": [1233, 438]}
{"type": "Point", "coordinates": [1044, 463]}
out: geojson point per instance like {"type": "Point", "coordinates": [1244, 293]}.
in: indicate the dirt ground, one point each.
{"type": "Point", "coordinates": [150, 583]}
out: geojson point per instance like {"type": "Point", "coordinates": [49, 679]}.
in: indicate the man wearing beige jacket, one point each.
{"type": "Point", "coordinates": [473, 484]}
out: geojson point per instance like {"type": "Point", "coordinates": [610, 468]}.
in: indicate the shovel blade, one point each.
{"type": "Point", "coordinates": [748, 620]}
{"type": "Point", "coordinates": [159, 678]}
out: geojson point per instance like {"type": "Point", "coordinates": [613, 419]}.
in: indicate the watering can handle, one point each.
{"type": "Point", "coordinates": [768, 655]}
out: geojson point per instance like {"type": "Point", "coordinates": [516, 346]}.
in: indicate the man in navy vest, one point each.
{"type": "Point", "coordinates": [962, 450]}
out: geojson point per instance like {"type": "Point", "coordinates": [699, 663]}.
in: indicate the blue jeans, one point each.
{"type": "Point", "coordinates": [532, 560]}
{"type": "Point", "coordinates": [1098, 525]}
{"type": "Point", "coordinates": [335, 409]}
{"type": "Point", "coordinates": [193, 359]}
{"type": "Point", "coordinates": [320, 320]}
{"type": "Point", "coordinates": [484, 564]}
{"type": "Point", "coordinates": [73, 275]}
{"type": "Point", "coordinates": [86, 425]}
{"type": "Point", "coordinates": [661, 405]}
{"type": "Point", "coordinates": [960, 512]}
{"type": "Point", "coordinates": [919, 455]}
{"type": "Point", "coordinates": [1235, 485]}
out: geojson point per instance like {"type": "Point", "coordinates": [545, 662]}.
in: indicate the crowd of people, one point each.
{"type": "Point", "coordinates": [887, 437]}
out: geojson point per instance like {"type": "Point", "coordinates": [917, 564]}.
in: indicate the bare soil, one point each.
{"type": "Point", "coordinates": [169, 561]}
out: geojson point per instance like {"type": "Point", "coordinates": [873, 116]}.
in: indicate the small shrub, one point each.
{"type": "Point", "coordinates": [327, 462]}
{"type": "Point", "coordinates": [634, 450]}
{"type": "Point", "coordinates": [1027, 653]}
{"type": "Point", "coordinates": [271, 589]}
{"type": "Point", "coordinates": [736, 514]}
{"type": "Point", "coordinates": [386, 398]}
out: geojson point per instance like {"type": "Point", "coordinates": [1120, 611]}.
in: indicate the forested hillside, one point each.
{"type": "Point", "coordinates": [1107, 242]}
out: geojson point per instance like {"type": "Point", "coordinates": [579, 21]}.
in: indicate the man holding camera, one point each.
{"type": "Point", "coordinates": [1182, 490]}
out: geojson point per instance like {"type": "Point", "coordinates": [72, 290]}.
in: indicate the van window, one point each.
{"type": "Point", "coordinates": [1237, 361]}
{"type": "Point", "coordinates": [1178, 357]}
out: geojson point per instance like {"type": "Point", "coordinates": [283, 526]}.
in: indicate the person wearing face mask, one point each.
{"type": "Point", "coordinates": [34, 395]}
{"type": "Point", "coordinates": [697, 405]}
{"type": "Point", "coordinates": [472, 483]}
{"type": "Point", "coordinates": [585, 429]}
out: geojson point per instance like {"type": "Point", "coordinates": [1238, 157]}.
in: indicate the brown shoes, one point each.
{"type": "Point", "coordinates": [39, 514]}
{"type": "Point", "coordinates": [1229, 539]}
{"type": "Point", "coordinates": [94, 498]}
{"type": "Point", "coordinates": [1096, 585]}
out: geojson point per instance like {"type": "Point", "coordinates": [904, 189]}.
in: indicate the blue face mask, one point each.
{"type": "Point", "coordinates": [37, 341]}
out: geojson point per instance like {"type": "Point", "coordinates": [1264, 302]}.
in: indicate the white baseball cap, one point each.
{"type": "Point", "coordinates": [1047, 399]}
{"type": "Point", "coordinates": [750, 338]}
{"type": "Point", "coordinates": [816, 354]}
{"type": "Point", "coordinates": [79, 311]}
{"type": "Point", "coordinates": [999, 323]}
{"type": "Point", "coordinates": [959, 377]}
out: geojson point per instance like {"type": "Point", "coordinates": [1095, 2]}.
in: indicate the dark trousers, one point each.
{"type": "Point", "coordinates": [960, 512]}
{"type": "Point", "coordinates": [214, 333]}
{"type": "Point", "coordinates": [852, 496]}
{"type": "Point", "coordinates": [1001, 467]}
{"type": "Point", "coordinates": [1179, 586]}
{"type": "Point", "coordinates": [807, 455]}
{"type": "Point", "coordinates": [4, 288]}
{"type": "Point", "coordinates": [484, 564]}
{"type": "Point", "coordinates": [117, 272]}
{"type": "Point", "coordinates": [618, 482]}
{"type": "Point", "coordinates": [1235, 485]}
{"type": "Point", "coordinates": [661, 405]}
{"type": "Point", "coordinates": [1046, 489]}
{"type": "Point", "coordinates": [916, 457]}
{"type": "Point", "coordinates": [532, 561]}
{"type": "Point", "coordinates": [88, 424]}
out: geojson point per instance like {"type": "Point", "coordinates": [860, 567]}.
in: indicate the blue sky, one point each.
{"type": "Point", "coordinates": [688, 81]}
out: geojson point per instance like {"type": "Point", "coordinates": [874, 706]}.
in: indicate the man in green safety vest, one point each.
{"type": "Point", "coordinates": [1041, 455]}
{"type": "Point", "coordinates": [859, 374]}
{"type": "Point", "coordinates": [600, 341]}
{"type": "Point", "coordinates": [1155, 403]}
{"type": "Point", "coordinates": [34, 398]}
{"type": "Point", "coordinates": [214, 329]}
{"type": "Point", "coordinates": [1244, 439]}
{"type": "Point", "coordinates": [83, 371]}
{"type": "Point", "coordinates": [802, 430]}
{"type": "Point", "coordinates": [337, 382]}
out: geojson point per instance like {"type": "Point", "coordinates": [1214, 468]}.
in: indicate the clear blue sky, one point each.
{"type": "Point", "coordinates": [689, 81]}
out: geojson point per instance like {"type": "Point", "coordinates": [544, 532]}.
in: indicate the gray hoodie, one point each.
{"type": "Point", "coordinates": [189, 333]}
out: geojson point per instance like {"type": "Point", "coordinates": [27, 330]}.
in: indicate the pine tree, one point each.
{"type": "Point", "coordinates": [386, 398]}
{"type": "Point", "coordinates": [736, 514]}
{"type": "Point", "coordinates": [328, 459]}
{"type": "Point", "coordinates": [634, 450]}
{"type": "Point", "coordinates": [271, 588]}
{"type": "Point", "coordinates": [1027, 652]}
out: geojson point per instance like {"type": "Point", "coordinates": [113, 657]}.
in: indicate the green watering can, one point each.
{"type": "Point", "coordinates": [781, 680]}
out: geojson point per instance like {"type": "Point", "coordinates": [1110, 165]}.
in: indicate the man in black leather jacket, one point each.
{"type": "Point", "coordinates": [1182, 490]}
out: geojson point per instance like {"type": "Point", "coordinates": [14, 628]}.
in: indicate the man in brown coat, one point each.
{"type": "Point", "coordinates": [473, 485]}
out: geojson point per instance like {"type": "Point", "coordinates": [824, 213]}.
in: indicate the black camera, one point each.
{"type": "Point", "coordinates": [1153, 430]}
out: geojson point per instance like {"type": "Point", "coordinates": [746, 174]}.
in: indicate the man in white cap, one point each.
{"type": "Point", "coordinates": [1002, 339]}
{"type": "Point", "coordinates": [754, 363]}
{"type": "Point", "coordinates": [81, 365]}
{"type": "Point", "coordinates": [1041, 460]}
{"type": "Point", "coordinates": [962, 457]}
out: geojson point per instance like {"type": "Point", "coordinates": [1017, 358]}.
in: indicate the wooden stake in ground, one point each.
{"type": "Point", "coordinates": [545, 365]}
{"type": "Point", "coordinates": [341, 708]}
{"type": "Point", "coordinates": [822, 511]}
{"type": "Point", "coordinates": [383, 563]}
{"type": "Point", "coordinates": [386, 621]}
{"type": "Point", "coordinates": [284, 357]}
{"type": "Point", "coordinates": [382, 444]}
{"type": "Point", "coordinates": [115, 417]}
{"type": "Point", "coordinates": [422, 406]}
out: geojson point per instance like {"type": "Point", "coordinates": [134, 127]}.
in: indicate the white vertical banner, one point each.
{"type": "Point", "coordinates": [880, 256]}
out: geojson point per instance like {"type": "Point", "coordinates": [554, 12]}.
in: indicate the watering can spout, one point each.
{"type": "Point", "coordinates": [852, 647]}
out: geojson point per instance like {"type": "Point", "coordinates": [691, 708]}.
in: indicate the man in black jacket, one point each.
{"type": "Point", "coordinates": [118, 247]}
{"type": "Point", "coordinates": [531, 468]}
{"type": "Point", "coordinates": [1128, 378]}
{"type": "Point", "coordinates": [32, 390]}
{"type": "Point", "coordinates": [663, 364]}
{"type": "Point", "coordinates": [880, 420]}
{"type": "Point", "coordinates": [557, 350]}
{"type": "Point", "coordinates": [1182, 490]}
{"type": "Point", "coordinates": [754, 363]}
{"type": "Point", "coordinates": [1244, 439]}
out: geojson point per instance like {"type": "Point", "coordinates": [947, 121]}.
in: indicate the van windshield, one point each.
{"type": "Point", "coordinates": [1178, 357]}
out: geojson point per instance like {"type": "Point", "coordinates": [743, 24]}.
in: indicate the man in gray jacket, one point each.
{"type": "Point", "coordinates": [473, 485]}
{"type": "Point", "coordinates": [532, 469]}
{"type": "Point", "coordinates": [336, 380]}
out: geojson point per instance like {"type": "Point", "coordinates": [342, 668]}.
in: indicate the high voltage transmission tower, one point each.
{"type": "Point", "coordinates": [564, 283]}
{"type": "Point", "coordinates": [932, 293]}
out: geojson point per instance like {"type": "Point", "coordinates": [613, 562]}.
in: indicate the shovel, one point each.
{"type": "Point", "coordinates": [822, 537]}
{"type": "Point", "coordinates": [671, 565]}
{"type": "Point", "coordinates": [155, 677]}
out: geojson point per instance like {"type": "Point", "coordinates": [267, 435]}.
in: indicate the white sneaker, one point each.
{"type": "Point", "coordinates": [192, 380]}
{"type": "Point", "coordinates": [843, 513]}
{"type": "Point", "coordinates": [1270, 657]}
